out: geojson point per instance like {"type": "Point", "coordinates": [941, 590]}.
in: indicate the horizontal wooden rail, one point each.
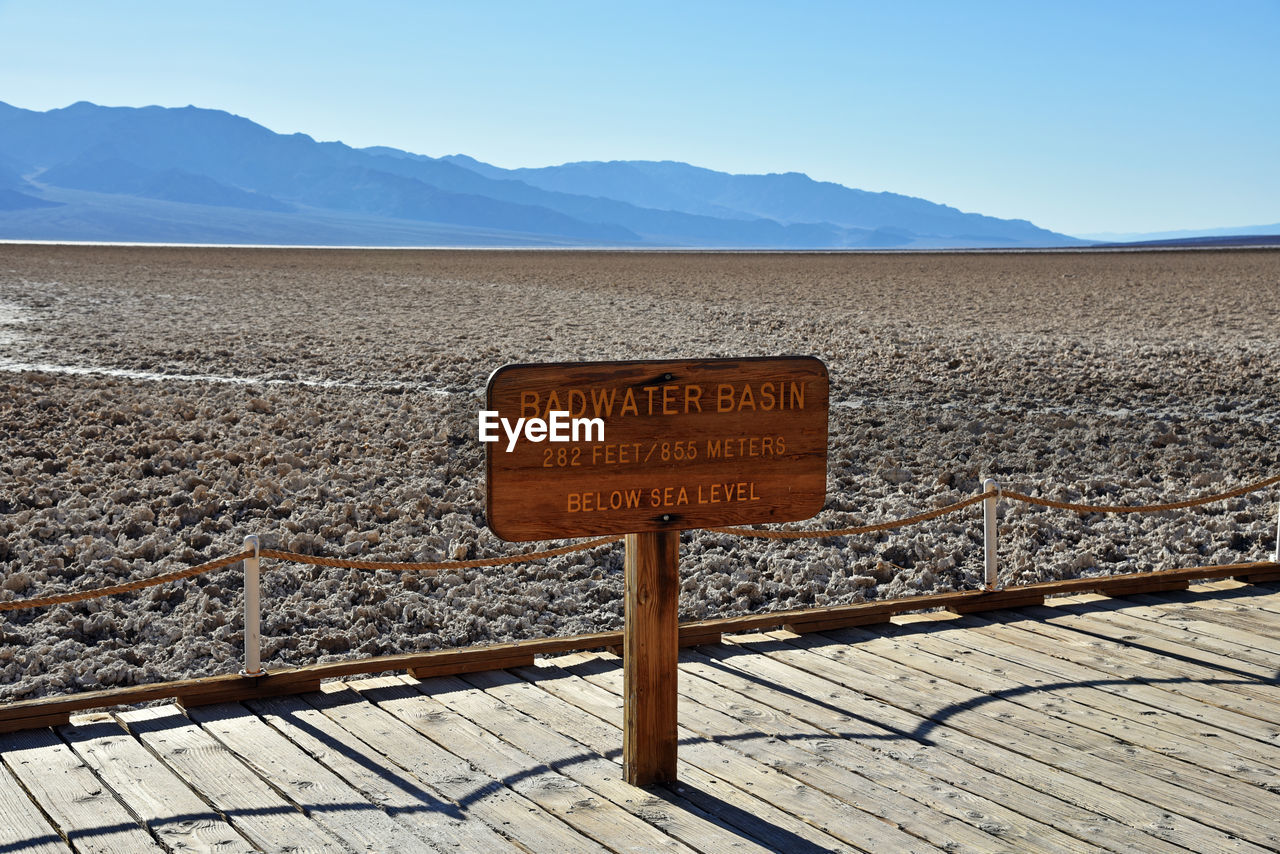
{"type": "Point", "coordinates": [233, 687]}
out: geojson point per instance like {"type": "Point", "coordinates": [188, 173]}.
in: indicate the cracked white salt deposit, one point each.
{"type": "Point", "coordinates": [162, 404]}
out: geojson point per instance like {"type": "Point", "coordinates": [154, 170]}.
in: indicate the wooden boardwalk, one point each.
{"type": "Point", "coordinates": [1150, 723]}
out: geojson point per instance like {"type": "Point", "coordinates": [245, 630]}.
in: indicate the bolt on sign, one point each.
{"type": "Point", "coordinates": [590, 448]}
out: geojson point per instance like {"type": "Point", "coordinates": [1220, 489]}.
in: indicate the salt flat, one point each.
{"type": "Point", "coordinates": [159, 404]}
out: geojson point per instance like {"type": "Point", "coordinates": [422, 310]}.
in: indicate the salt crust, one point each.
{"type": "Point", "coordinates": [1129, 377]}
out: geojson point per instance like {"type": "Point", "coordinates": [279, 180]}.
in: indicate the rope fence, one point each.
{"type": "Point", "coordinates": [127, 587]}
{"type": "Point", "coordinates": [849, 532]}
{"type": "Point", "coordinates": [438, 566]}
{"type": "Point", "coordinates": [1145, 508]}
{"type": "Point", "coordinates": [990, 494]}
{"type": "Point", "coordinates": [294, 557]}
{"type": "Point", "coordinates": [1012, 496]}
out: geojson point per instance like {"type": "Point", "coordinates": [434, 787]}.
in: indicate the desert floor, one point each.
{"type": "Point", "coordinates": [160, 404]}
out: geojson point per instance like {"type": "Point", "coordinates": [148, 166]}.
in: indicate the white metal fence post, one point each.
{"type": "Point", "coordinates": [1275, 558]}
{"type": "Point", "coordinates": [252, 612]}
{"type": "Point", "coordinates": [992, 488]}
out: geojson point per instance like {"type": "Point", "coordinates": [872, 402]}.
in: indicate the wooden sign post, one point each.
{"type": "Point", "coordinates": [649, 449]}
{"type": "Point", "coordinates": [650, 644]}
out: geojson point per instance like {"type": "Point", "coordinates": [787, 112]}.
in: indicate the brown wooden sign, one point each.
{"type": "Point", "coordinates": [688, 444]}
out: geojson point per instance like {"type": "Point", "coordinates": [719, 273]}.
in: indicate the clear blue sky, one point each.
{"type": "Point", "coordinates": [1082, 117]}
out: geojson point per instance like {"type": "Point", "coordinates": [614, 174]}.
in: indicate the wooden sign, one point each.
{"type": "Point", "coordinates": [687, 444]}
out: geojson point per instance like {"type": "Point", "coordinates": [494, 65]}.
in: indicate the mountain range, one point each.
{"type": "Point", "coordinates": [192, 175]}
{"type": "Point", "coordinates": [1186, 234]}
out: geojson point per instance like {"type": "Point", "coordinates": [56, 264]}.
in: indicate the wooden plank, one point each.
{"type": "Point", "coordinates": [1133, 620]}
{"type": "Point", "coordinates": [1264, 597]}
{"type": "Point", "coordinates": [559, 794]}
{"type": "Point", "coordinates": [951, 817]}
{"type": "Point", "coordinates": [54, 711]}
{"type": "Point", "coordinates": [24, 827]}
{"type": "Point", "coordinates": [760, 733]}
{"type": "Point", "coordinates": [449, 667]}
{"type": "Point", "coordinates": [1046, 739]}
{"type": "Point", "coordinates": [1148, 616]}
{"type": "Point", "coordinates": [1267, 595]}
{"type": "Point", "coordinates": [1246, 599]}
{"type": "Point", "coordinates": [800, 626]}
{"type": "Point", "coordinates": [325, 797]}
{"type": "Point", "coordinates": [593, 716]}
{"type": "Point", "coordinates": [861, 612]}
{"type": "Point", "coordinates": [958, 761]}
{"type": "Point", "coordinates": [83, 808]}
{"type": "Point", "coordinates": [557, 748]}
{"type": "Point", "coordinates": [1244, 795]}
{"type": "Point", "coordinates": [1200, 682]}
{"type": "Point", "coordinates": [424, 811]}
{"type": "Point", "coordinates": [1264, 624]}
{"type": "Point", "coordinates": [1259, 576]}
{"type": "Point", "coordinates": [650, 649]}
{"type": "Point", "coordinates": [254, 808]}
{"type": "Point", "coordinates": [1164, 782]}
{"type": "Point", "coordinates": [1104, 782]}
{"type": "Point", "coordinates": [795, 786]}
{"type": "Point", "coordinates": [164, 804]}
{"type": "Point", "coordinates": [1114, 732]}
{"type": "Point", "coordinates": [693, 637]}
{"type": "Point", "coordinates": [986, 600]}
{"type": "Point", "coordinates": [478, 796]}
{"type": "Point", "coordinates": [687, 444]}
{"type": "Point", "coordinates": [1142, 585]}
{"type": "Point", "coordinates": [1125, 743]}
{"type": "Point", "coordinates": [247, 688]}
{"type": "Point", "coordinates": [1175, 642]}
{"type": "Point", "coordinates": [1185, 724]}
{"type": "Point", "coordinates": [1157, 693]}
{"type": "Point", "coordinates": [1174, 613]}
{"type": "Point", "coordinates": [34, 719]}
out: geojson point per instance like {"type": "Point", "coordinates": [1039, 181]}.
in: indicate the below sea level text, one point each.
{"type": "Point", "coordinates": [733, 492]}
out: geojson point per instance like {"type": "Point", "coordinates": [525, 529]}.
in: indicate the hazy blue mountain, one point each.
{"type": "Point", "coordinates": [193, 171]}
{"type": "Point", "coordinates": [1220, 241]}
{"type": "Point", "coordinates": [12, 187]}
{"type": "Point", "coordinates": [83, 215]}
{"type": "Point", "coordinates": [12, 200]}
{"type": "Point", "coordinates": [294, 168]}
{"type": "Point", "coordinates": [786, 198]}
{"type": "Point", "coordinates": [652, 226]}
{"type": "Point", "coordinates": [1183, 234]}
{"type": "Point", "coordinates": [113, 175]}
